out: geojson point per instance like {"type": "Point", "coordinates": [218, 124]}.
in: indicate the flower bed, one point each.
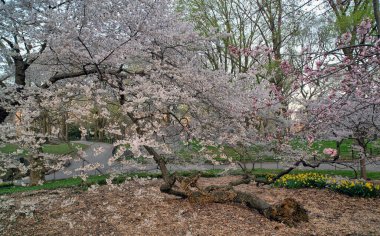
{"type": "Point", "coordinates": [359, 188]}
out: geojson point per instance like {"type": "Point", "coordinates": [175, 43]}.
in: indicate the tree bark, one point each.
{"type": "Point", "coordinates": [3, 114]}
{"type": "Point", "coordinates": [363, 169]}
{"type": "Point", "coordinates": [20, 70]}
{"type": "Point", "coordinates": [376, 12]}
{"type": "Point", "coordinates": [288, 211]}
{"type": "Point", "coordinates": [37, 170]}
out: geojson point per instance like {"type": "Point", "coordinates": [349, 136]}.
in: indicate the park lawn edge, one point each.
{"type": "Point", "coordinates": [76, 182]}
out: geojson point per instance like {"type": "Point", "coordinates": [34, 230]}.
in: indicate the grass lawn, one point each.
{"type": "Point", "coordinates": [71, 183]}
{"type": "Point", "coordinates": [255, 152]}
{"type": "Point", "coordinates": [346, 151]}
{"type": "Point", "coordinates": [62, 148]}
{"type": "Point", "coordinates": [258, 152]}
{"type": "Point", "coordinates": [101, 179]}
{"type": "Point", "coordinates": [8, 148]}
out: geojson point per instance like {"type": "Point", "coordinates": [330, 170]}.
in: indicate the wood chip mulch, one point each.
{"type": "Point", "coordinates": [137, 207]}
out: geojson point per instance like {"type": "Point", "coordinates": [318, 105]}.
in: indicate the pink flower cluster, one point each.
{"type": "Point", "coordinates": [330, 151]}
{"type": "Point", "coordinates": [255, 51]}
{"type": "Point", "coordinates": [364, 27]}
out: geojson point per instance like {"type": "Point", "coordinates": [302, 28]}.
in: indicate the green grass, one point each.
{"type": "Point", "coordinates": [62, 148]}
{"type": "Point", "coordinates": [8, 148]}
{"type": "Point", "coordinates": [255, 152]}
{"type": "Point", "coordinates": [7, 188]}
{"type": "Point", "coordinates": [345, 147]}
{"type": "Point", "coordinates": [49, 185]}
{"type": "Point", "coordinates": [98, 179]}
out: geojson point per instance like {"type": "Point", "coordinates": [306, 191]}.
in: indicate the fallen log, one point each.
{"type": "Point", "coordinates": [288, 211]}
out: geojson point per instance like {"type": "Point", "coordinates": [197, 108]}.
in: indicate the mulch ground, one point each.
{"type": "Point", "coordinates": [138, 208]}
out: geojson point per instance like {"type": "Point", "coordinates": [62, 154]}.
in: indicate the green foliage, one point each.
{"type": "Point", "coordinates": [73, 131]}
{"type": "Point", "coordinates": [212, 17]}
{"type": "Point", "coordinates": [6, 185]}
{"type": "Point", "coordinates": [353, 16]}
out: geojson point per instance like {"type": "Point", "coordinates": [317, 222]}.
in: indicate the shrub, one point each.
{"type": "Point", "coordinates": [73, 131]}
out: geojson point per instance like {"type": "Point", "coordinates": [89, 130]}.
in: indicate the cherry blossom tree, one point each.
{"type": "Point", "coordinates": [78, 57]}
{"type": "Point", "coordinates": [350, 107]}
{"type": "Point", "coordinates": [141, 55]}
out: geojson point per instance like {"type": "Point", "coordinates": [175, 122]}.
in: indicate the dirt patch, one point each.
{"type": "Point", "coordinates": [139, 208]}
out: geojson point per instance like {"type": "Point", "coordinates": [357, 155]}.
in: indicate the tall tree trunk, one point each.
{"type": "Point", "coordinates": [376, 11]}
{"type": "Point", "coordinates": [20, 70]}
{"type": "Point", "coordinates": [64, 129]}
{"type": "Point", "coordinates": [363, 166]}
{"type": "Point", "coordinates": [363, 156]}
{"type": "Point", "coordinates": [3, 114]}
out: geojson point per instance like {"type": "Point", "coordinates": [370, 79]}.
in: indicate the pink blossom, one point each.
{"type": "Point", "coordinates": [330, 151]}
{"type": "Point", "coordinates": [319, 64]}
{"type": "Point", "coordinates": [310, 139]}
{"type": "Point", "coordinates": [364, 27]}
{"type": "Point", "coordinates": [346, 38]}
{"type": "Point", "coordinates": [286, 67]}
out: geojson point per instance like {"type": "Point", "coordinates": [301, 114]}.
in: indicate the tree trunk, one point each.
{"type": "Point", "coordinates": [63, 133]}
{"type": "Point", "coordinates": [289, 211]}
{"type": "Point", "coordinates": [376, 12]}
{"type": "Point", "coordinates": [3, 114]}
{"type": "Point", "coordinates": [363, 155]}
{"type": "Point", "coordinates": [363, 167]}
{"type": "Point", "coordinates": [20, 69]}
{"type": "Point", "coordinates": [37, 170]}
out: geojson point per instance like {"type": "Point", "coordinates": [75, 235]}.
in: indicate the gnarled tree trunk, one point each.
{"type": "Point", "coordinates": [289, 211]}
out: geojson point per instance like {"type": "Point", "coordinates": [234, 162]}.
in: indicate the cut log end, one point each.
{"type": "Point", "coordinates": [289, 211]}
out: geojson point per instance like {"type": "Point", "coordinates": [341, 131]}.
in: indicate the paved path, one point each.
{"type": "Point", "coordinates": [90, 157]}
{"type": "Point", "coordinates": [104, 157]}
